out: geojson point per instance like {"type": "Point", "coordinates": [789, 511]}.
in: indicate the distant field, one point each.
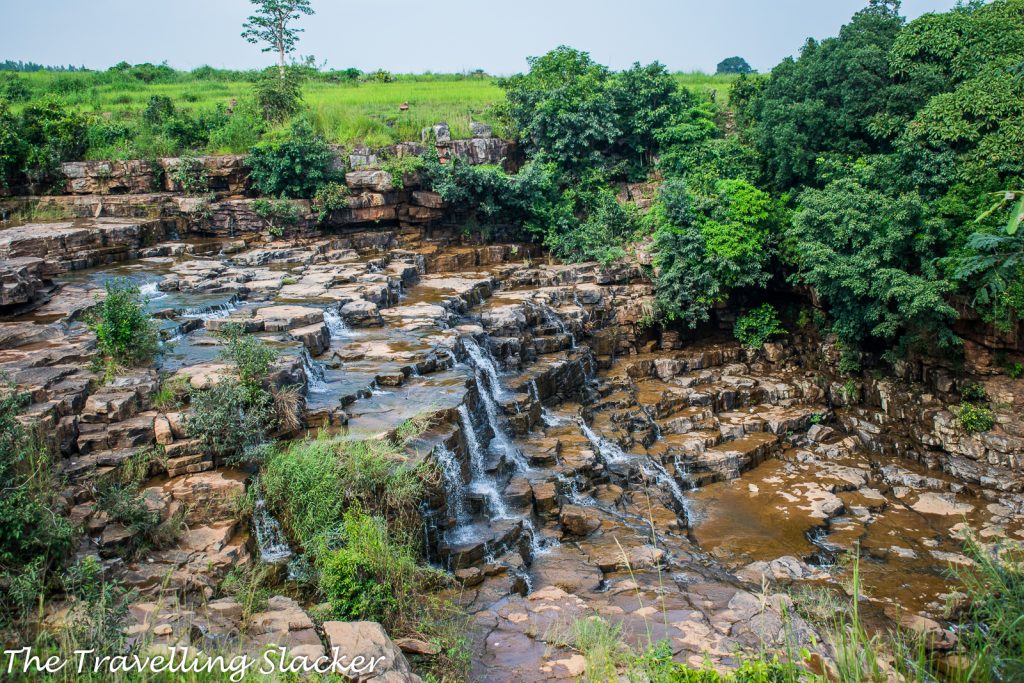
{"type": "Point", "coordinates": [346, 113]}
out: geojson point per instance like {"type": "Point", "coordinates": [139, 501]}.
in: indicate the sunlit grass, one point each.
{"type": "Point", "coordinates": [346, 113]}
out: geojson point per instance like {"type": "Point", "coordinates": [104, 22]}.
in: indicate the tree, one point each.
{"type": "Point", "coordinates": [733, 65]}
{"type": "Point", "coordinates": [270, 25]}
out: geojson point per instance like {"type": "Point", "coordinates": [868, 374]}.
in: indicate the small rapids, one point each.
{"type": "Point", "coordinates": [270, 538]}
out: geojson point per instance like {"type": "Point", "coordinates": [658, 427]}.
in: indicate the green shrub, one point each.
{"type": "Point", "coordinates": [190, 176]}
{"type": "Point", "coordinates": [242, 129]}
{"type": "Point", "coordinates": [34, 540]}
{"type": "Point", "coordinates": [279, 213]}
{"type": "Point", "coordinates": [14, 88]}
{"type": "Point", "coordinates": [372, 574]}
{"type": "Point", "coordinates": [400, 167]}
{"type": "Point", "coordinates": [293, 167]}
{"type": "Point", "coordinates": [278, 99]}
{"type": "Point", "coordinates": [251, 356]}
{"type": "Point", "coordinates": [973, 393]}
{"type": "Point", "coordinates": [758, 326]}
{"type": "Point", "coordinates": [1015, 370]}
{"type": "Point", "coordinates": [13, 148]}
{"type": "Point", "coordinates": [330, 197]}
{"type": "Point", "coordinates": [53, 132]}
{"type": "Point", "coordinates": [231, 420]}
{"type": "Point", "coordinates": [125, 331]}
{"type": "Point", "coordinates": [975, 418]}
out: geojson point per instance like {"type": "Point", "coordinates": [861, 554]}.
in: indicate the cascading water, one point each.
{"type": "Point", "coordinates": [454, 487]}
{"type": "Point", "coordinates": [552, 318]}
{"type": "Point", "coordinates": [213, 311]}
{"type": "Point", "coordinates": [613, 454]}
{"type": "Point", "coordinates": [316, 381]}
{"type": "Point", "coordinates": [491, 391]}
{"type": "Point", "coordinates": [336, 325]}
{"type": "Point", "coordinates": [481, 483]}
{"type": "Point", "coordinates": [273, 545]}
{"type": "Point", "coordinates": [150, 292]}
{"type": "Point", "coordinates": [610, 452]}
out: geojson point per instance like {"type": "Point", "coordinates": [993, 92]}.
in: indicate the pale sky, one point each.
{"type": "Point", "coordinates": [442, 36]}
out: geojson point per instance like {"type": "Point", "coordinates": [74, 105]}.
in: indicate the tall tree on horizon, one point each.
{"type": "Point", "coordinates": [270, 25]}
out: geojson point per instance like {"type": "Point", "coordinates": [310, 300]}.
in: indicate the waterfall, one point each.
{"type": "Point", "coordinates": [482, 363]}
{"type": "Point", "coordinates": [654, 423]}
{"type": "Point", "coordinates": [212, 312]}
{"type": "Point", "coordinates": [481, 482]}
{"type": "Point", "coordinates": [665, 480]}
{"type": "Point", "coordinates": [491, 391]}
{"type": "Point", "coordinates": [609, 451]}
{"type": "Point", "coordinates": [273, 545]}
{"type": "Point", "coordinates": [316, 382]}
{"type": "Point", "coordinates": [339, 330]}
{"type": "Point", "coordinates": [532, 389]}
{"type": "Point", "coordinates": [454, 488]}
{"type": "Point", "coordinates": [551, 318]}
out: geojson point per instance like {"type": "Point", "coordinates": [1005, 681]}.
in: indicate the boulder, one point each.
{"type": "Point", "coordinates": [373, 656]}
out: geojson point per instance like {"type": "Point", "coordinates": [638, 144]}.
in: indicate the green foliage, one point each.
{"type": "Point", "coordinates": [824, 101]}
{"type": "Point", "coordinates": [758, 326]}
{"type": "Point", "coordinates": [371, 572]}
{"type": "Point", "coordinates": [190, 176]}
{"type": "Point", "coordinates": [973, 393]}
{"type": "Point", "coordinates": [53, 132]}
{"type": "Point", "coordinates": [994, 631]}
{"type": "Point", "coordinates": [125, 332]}
{"type": "Point", "coordinates": [14, 88]}
{"type": "Point", "coordinates": [249, 585]}
{"type": "Point", "coordinates": [292, 167]}
{"type": "Point", "coordinates": [577, 114]}
{"type": "Point", "coordinates": [975, 418]}
{"type": "Point", "coordinates": [278, 97]}
{"type": "Point", "coordinates": [869, 255]}
{"type": "Point", "coordinates": [279, 213]}
{"type": "Point", "coordinates": [13, 147]}
{"type": "Point", "coordinates": [353, 505]}
{"type": "Point", "coordinates": [709, 244]}
{"type": "Point", "coordinates": [251, 356]}
{"type": "Point", "coordinates": [733, 65]}
{"type": "Point", "coordinates": [401, 167]}
{"type": "Point", "coordinates": [330, 197]}
{"type": "Point", "coordinates": [529, 199]}
{"type": "Point", "coordinates": [232, 420]}
{"type": "Point", "coordinates": [33, 540]}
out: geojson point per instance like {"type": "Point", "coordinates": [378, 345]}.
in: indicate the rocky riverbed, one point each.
{"type": "Point", "coordinates": [592, 466]}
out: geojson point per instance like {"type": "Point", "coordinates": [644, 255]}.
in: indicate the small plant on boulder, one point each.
{"type": "Point", "coordinates": [125, 331]}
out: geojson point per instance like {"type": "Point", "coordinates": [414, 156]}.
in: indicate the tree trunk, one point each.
{"type": "Point", "coordinates": [280, 46]}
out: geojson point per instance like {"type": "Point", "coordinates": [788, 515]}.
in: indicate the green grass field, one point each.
{"type": "Point", "coordinates": [346, 113]}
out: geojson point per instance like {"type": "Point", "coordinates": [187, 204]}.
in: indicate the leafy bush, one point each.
{"type": "Point", "coordinates": [14, 88]}
{"type": "Point", "coordinates": [190, 176]}
{"type": "Point", "coordinates": [53, 132]}
{"type": "Point", "coordinates": [293, 167]}
{"type": "Point", "coordinates": [277, 98]}
{"type": "Point", "coordinates": [708, 244]}
{"type": "Point", "coordinates": [231, 421]}
{"type": "Point", "coordinates": [125, 331]}
{"type": "Point", "coordinates": [330, 197]}
{"type": "Point", "coordinates": [250, 355]}
{"type": "Point", "coordinates": [373, 575]}
{"type": "Point", "coordinates": [399, 167]}
{"type": "Point", "coordinates": [13, 148]}
{"type": "Point", "coordinates": [279, 213]}
{"type": "Point", "coordinates": [975, 418]}
{"type": "Point", "coordinates": [870, 256]}
{"type": "Point", "coordinates": [758, 326]}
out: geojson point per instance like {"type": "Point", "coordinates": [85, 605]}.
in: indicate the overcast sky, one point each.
{"type": "Point", "coordinates": [445, 35]}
